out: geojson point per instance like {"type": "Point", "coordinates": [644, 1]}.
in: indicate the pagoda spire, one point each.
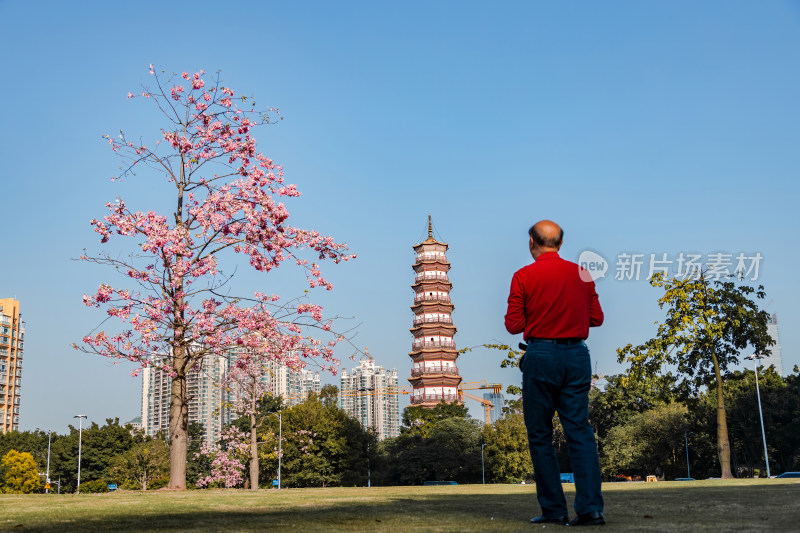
{"type": "Point", "coordinates": [430, 227]}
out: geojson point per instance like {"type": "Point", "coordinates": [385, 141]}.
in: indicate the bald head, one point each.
{"type": "Point", "coordinates": [546, 234]}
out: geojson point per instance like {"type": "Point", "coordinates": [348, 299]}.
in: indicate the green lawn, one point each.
{"type": "Point", "coordinates": [714, 505]}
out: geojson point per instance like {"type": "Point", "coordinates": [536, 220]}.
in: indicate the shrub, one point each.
{"type": "Point", "coordinates": [94, 487]}
{"type": "Point", "coordinates": [158, 483]}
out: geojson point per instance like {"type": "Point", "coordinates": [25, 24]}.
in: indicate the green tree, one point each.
{"type": "Point", "coordinates": [33, 442]}
{"type": "Point", "coordinates": [143, 463]}
{"type": "Point", "coordinates": [649, 443]}
{"type": "Point", "coordinates": [18, 473]}
{"type": "Point", "coordinates": [508, 459]}
{"type": "Point", "coordinates": [743, 417]}
{"type": "Point", "coordinates": [440, 443]}
{"type": "Point", "coordinates": [780, 401]}
{"type": "Point", "coordinates": [708, 324]}
{"type": "Point", "coordinates": [64, 460]}
{"type": "Point", "coordinates": [418, 419]}
{"type": "Point", "coordinates": [449, 450]}
{"type": "Point", "coordinates": [99, 445]}
{"type": "Point", "coordinates": [322, 446]}
{"type": "Point", "coordinates": [783, 428]}
{"type": "Point", "coordinates": [329, 395]}
{"type": "Point", "coordinates": [457, 442]}
{"type": "Point", "coordinates": [622, 397]}
{"type": "Point", "coordinates": [196, 433]}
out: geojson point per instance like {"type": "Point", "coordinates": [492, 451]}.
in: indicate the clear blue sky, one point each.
{"type": "Point", "coordinates": [649, 127]}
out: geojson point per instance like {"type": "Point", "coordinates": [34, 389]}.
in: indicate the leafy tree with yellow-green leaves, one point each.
{"type": "Point", "coordinates": [142, 464]}
{"type": "Point", "coordinates": [708, 325]}
{"type": "Point", "coordinates": [507, 457]}
{"type": "Point", "coordinates": [18, 473]}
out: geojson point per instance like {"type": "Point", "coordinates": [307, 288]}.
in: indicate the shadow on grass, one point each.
{"type": "Point", "coordinates": [666, 507]}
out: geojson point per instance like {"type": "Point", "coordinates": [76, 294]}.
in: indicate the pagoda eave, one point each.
{"type": "Point", "coordinates": [433, 350]}
{"type": "Point", "coordinates": [430, 262]}
{"type": "Point", "coordinates": [432, 307]}
{"type": "Point", "coordinates": [428, 329]}
{"type": "Point", "coordinates": [428, 241]}
{"type": "Point", "coordinates": [433, 356]}
{"type": "Point", "coordinates": [435, 380]}
{"type": "Point", "coordinates": [432, 285]}
{"type": "Point", "coordinates": [432, 404]}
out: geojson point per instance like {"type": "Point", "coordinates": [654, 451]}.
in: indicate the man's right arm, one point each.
{"type": "Point", "coordinates": [515, 315]}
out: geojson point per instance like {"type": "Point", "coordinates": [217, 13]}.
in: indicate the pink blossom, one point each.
{"type": "Point", "coordinates": [176, 91]}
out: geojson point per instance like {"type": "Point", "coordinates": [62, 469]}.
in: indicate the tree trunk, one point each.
{"type": "Point", "coordinates": [178, 427]}
{"type": "Point", "coordinates": [723, 443]}
{"type": "Point", "coordinates": [253, 453]}
{"type": "Point", "coordinates": [179, 405]}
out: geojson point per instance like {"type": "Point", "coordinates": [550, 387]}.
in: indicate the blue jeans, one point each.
{"type": "Point", "coordinates": [557, 377]}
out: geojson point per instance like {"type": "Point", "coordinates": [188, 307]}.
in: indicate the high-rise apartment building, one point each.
{"type": "Point", "coordinates": [293, 386]}
{"type": "Point", "coordinates": [497, 402]}
{"type": "Point", "coordinates": [204, 391]}
{"type": "Point", "coordinates": [12, 340]}
{"type": "Point", "coordinates": [210, 403]}
{"type": "Point", "coordinates": [775, 358]}
{"type": "Point", "coordinates": [370, 394]}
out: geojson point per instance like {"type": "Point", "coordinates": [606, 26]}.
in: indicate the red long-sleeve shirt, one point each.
{"type": "Point", "coordinates": [549, 299]}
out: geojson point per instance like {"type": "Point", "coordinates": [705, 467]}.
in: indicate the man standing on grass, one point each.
{"type": "Point", "coordinates": [553, 302]}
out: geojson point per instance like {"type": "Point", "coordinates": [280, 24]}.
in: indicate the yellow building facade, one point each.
{"type": "Point", "coordinates": [12, 342]}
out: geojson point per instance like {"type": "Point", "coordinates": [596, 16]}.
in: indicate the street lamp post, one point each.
{"type": "Point", "coordinates": [686, 440]}
{"type": "Point", "coordinates": [755, 359]}
{"type": "Point", "coordinates": [483, 470]}
{"type": "Point", "coordinates": [80, 439]}
{"type": "Point", "coordinates": [47, 475]}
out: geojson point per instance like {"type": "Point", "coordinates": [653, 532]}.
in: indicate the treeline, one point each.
{"type": "Point", "coordinates": [642, 428]}
{"type": "Point", "coordinates": [111, 453]}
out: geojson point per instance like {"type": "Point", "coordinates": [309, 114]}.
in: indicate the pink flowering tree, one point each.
{"type": "Point", "coordinates": [226, 199]}
{"type": "Point", "coordinates": [245, 384]}
{"type": "Point", "coordinates": [228, 459]}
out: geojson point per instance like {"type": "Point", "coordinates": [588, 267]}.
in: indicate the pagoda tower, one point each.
{"type": "Point", "coordinates": [434, 375]}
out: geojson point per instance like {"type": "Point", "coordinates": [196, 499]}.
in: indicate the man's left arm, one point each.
{"type": "Point", "coordinates": [595, 311]}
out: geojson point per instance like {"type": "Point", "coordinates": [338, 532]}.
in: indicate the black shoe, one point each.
{"type": "Point", "coordinates": [592, 518]}
{"type": "Point", "coordinates": [563, 520]}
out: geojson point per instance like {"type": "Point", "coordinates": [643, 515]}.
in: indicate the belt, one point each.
{"type": "Point", "coordinates": [571, 340]}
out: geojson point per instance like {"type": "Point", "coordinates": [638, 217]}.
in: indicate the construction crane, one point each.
{"type": "Point", "coordinates": [496, 388]}
{"type": "Point", "coordinates": [487, 406]}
